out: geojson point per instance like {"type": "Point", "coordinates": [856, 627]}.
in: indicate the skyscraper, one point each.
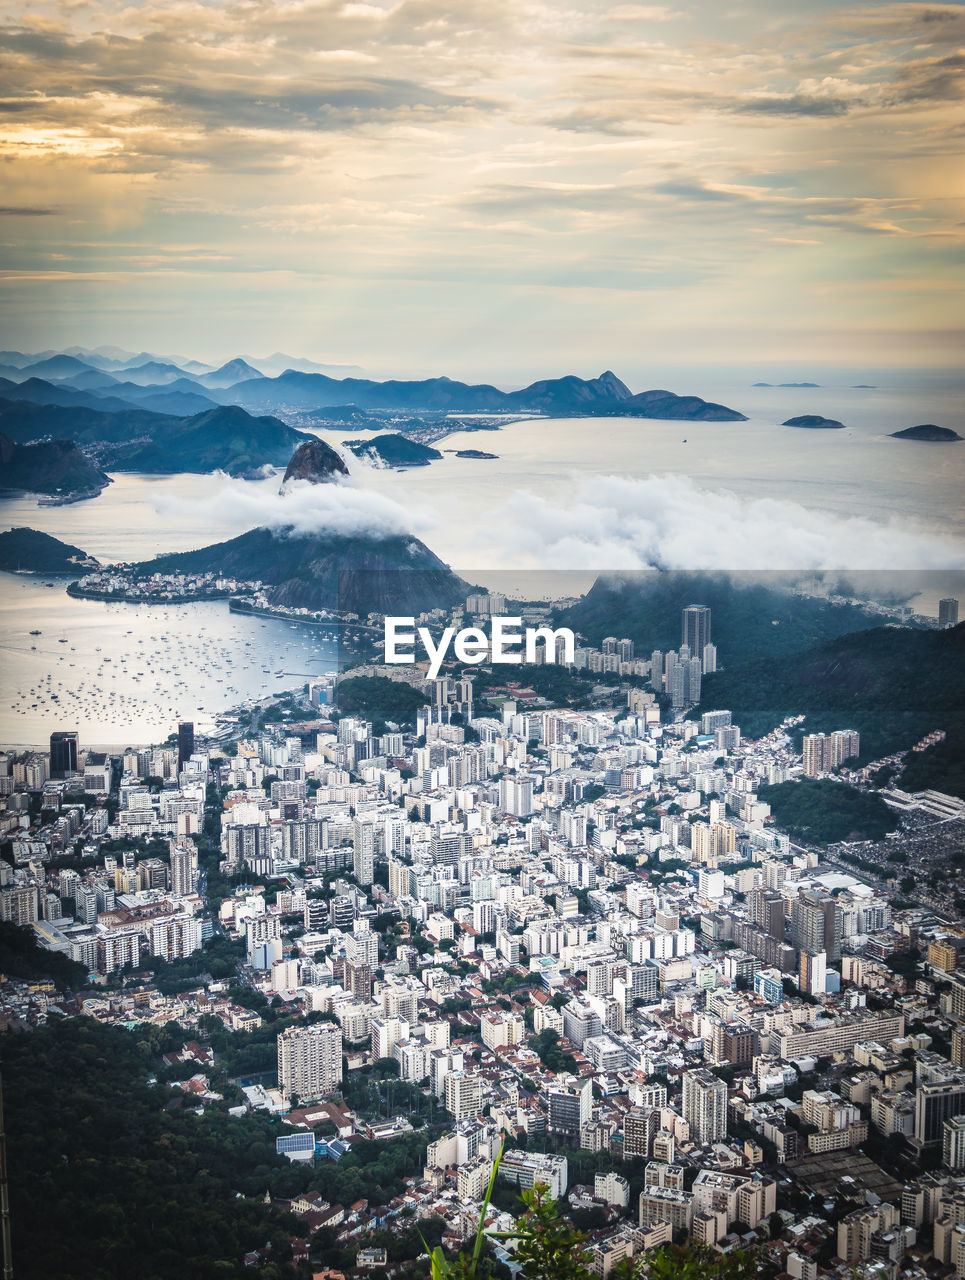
{"type": "Point", "coordinates": [64, 748]}
{"type": "Point", "coordinates": [947, 613]}
{"type": "Point", "coordinates": [695, 628]}
{"type": "Point", "coordinates": [185, 743]}
{"type": "Point", "coordinates": [816, 924]}
{"type": "Point", "coordinates": [310, 1061]}
{"type": "Point", "coordinates": [363, 860]}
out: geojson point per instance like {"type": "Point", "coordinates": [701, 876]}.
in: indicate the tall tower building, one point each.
{"type": "Point", "coordinates": [310, 1061]}
{"type": "Point", "coordinates": [184, 861]}
{"type": "Point", "coordinates": [695, 629]}
{"type": "Point", "coordinates": [64, 748]}
{"type": "Point", "coordinates": [185, 743]}
{"type": "Point", "coordinates": [363, 859]}
{"type": "Point", "coordinates": [816, 924]}
{"type": "Point", "coordinates": [947, 613]}
{"type": "Point", "coordinates": [705, 1105]}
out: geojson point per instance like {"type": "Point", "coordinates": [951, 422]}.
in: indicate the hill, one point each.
{"type": "Point", "coordinates": [55, 467]}
{"type": "Point", "coordinates": [928, 432]}
{"type": "Point", "coordinates": [396, 574]}
{"type": "Point", "coordinates": [753, 614]}
{"type": "Point", "coordinates": [814, 421]}
{"type": "Point", "coordinates": [393, 451]}
{"type": "Point", "coordinates": [224, 437]}
{"type": "Point", "coordinates": [894, 685]}
{"type": "Point", "coordinates": [36, 552]}
{"type": "Point", "coordinates": [823, 811]}
{"type": "Point", "coordinates": [604, 396]}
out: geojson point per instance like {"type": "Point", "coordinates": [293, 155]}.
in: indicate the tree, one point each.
{"type": "Point", "coordinates": [548, 1247]}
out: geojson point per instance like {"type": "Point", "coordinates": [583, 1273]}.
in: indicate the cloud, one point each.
{"type": "Point", "coordinates": [670, 522]}
{"type": "Point", "coordinates": [344, 508]}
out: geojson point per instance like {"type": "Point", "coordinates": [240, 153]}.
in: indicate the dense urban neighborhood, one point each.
{"type": "Point", "coordinates": [409, 948]}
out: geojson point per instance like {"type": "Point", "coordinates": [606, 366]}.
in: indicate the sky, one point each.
{"type": "Point", "coordinates": [499, 189]}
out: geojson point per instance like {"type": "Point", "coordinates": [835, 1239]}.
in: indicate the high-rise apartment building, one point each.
{"type": "Point", "coordinates": [705, 1105]}
{"type": "Point", "coordinates": [363, 857]}
{"type": "Point", "coordinates": [947, 613]}
{"type": "Point", "coordinates": [816, 924]}
{"type": "Point", "coordinates": [310, 1061]}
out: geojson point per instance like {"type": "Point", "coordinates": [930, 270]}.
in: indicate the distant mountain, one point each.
{"type": "Point", "coordinates": [560, 397]}
{"type": "Point", "coordinates": [57, 468]}
{"type": "Point", "coordinates": [272, 365]}
{"type": "Point", "coordinates": [223, 438]}
{"type": "Point", "coordinates": [38, 391]}
{"type": "Point", "coordinates": [181, 398]}
{"type": "Point", "coordinates": [315, 461]}
{"type": "Point", "coordinates": [814, 421]}
{"type": "Point", "coordinates": [153, 373]}
{"type": "Point", "coordinates": [396, 574]}
{"type": "Point", "coordinates": [928, 432]}
{"type": "Point", "coordinates": [393, 450]}
{"type": "Point", "coordinates": [56, 367]}
{"type": "Point", "coordinates": [233, 372]}
{"type": "Point", "coordinates": [28, 550]}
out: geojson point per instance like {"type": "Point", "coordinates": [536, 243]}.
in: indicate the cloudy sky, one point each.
{"type": "Point", "coordinates": [502, 188]}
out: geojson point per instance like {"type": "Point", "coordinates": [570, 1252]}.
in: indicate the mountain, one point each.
{"type": "Point", "coordinates": [562, 397]}
{"type": "Point", "coordinates": [155, 373]}
{"type": "Point", "coordinates": [56, 367]}
{"type": "Point", "coordinates": [181, 398]}
{"type": "Point", "coordinates": [893, 684]}
{"type": "Point", "coordinates": [56, 467]}
{"type": "Point", "coordinates": [315, 461]}
{"type": "Point", "coordinates": [34, 552]}
{"type": "Point", "coordinates": [37, 391]}
{"type": "Point", "coordinates": [223, 438]}
{"type": "Point", "coordinates": [229, 374]}
{"type": "Point", "coordinates": [813, 420]}
{"type": "Point", "coordinates": [272, 365]}
{"type": "Point", "coordinates": [753, 615]}
{"type": "Point", "coordinates": [397, 574]}
{"type": "Point", "coordinates": [393, 450]}
{"type": "Point", "coordinates": [927, 431]}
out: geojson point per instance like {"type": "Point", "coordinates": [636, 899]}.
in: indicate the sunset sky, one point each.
{"type": "Point", "coordinates": [492, 188]}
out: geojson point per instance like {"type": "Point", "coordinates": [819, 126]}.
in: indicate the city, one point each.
{"type": "Point", "coordinates": [569, 943]}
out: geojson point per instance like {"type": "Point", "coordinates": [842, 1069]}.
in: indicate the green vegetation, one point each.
{"type": "Point", "coordinates": [394, 451]}
{"type": "Point", "coordinates": [547, 1045]}
{"type": "Point", "coordinates": [53, 466]}
{"type": "Point", "coordinates": [38, 552]}
{"type": "Point", "coordinates": [21, 956]}
{"type": "Point", "coordinates": [823, 811]}
{"type": "Point", "coordinates": [380, 699]}
{"type": "Point", "coordinates": [892, 684]}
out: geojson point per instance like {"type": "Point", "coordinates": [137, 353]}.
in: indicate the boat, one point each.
{"type": "Point", "coordinates": [36, 633]}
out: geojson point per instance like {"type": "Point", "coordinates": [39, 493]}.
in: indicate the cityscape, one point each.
{"type": "Point", "coordinates": [524, 941]}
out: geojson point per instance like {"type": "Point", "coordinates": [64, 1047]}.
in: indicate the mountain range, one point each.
{"type": "Point", "coordinates": [105, 380]}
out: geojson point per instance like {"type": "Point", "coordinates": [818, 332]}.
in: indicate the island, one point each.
{"type": "Point", "coordinates": [928, 433]}
{"type": "Point", "coordinates": [814, 421]}
{"type": "Point", "coordinates": [475, 453]}
{"type": "Point", "coordinates": [30, 551]}
{"type": "Point", "coordinates": [787, 385]}
{"type": "Point", "coordinates": [393, 450]}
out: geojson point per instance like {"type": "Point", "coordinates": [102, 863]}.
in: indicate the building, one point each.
{"type": "Point", "coordinates": [705, 1105]}
{"type": "Point", "coordinates": [947, 613]}
{"type": "Point", "coordinates": [184, 863]}
{"type": "Point", "coordinates": [953, 1142]}
{"type": "Point", "coordinates": [534, 1168]}
{"type": "Point", "coordinates": [185, 743]}
{"type": "Point", "coordinates": [473, 1178]}
{"type": "Point", "coordinates": [64, 750]}
{"type": "Point", "coordinates": [695, 629]}
{"type": "Point", "coordinates": [816, 924]}
{"type": "Point", "coordinates": [569, 1105]}
{"type": "Point", "coordinates": [363, 852]}
{"type": "Point", "coordinates": [463, 1095]}
{"type": "Point", "coordinates": [310, 1061]}
{"type": "Point", "coordinates": [935, 1102]}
